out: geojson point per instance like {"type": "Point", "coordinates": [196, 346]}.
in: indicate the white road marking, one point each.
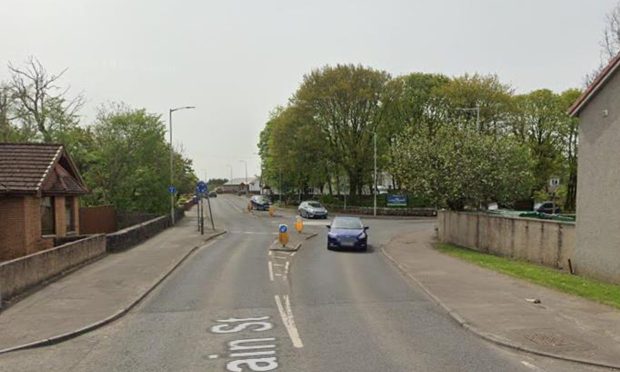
{"type": "Point", "coordinates": [286, 313]}
{"type": "Point", "coordinates": [280, 257]}
{"type": "Point", "coordinates": [270, 253]}
{"type": "Point", "coordinates": [278, 274]}
{"type": "Point", "coordinates": [213, 356]}
{"type": "Point", "coordinates": [529, 365]}
{"type": "Point", "coordinates": [270, 271]}
{"type": "Point", "coordinates": [278, 265]}
{"type": "Point", "coordinates": [252, 232]}
{"type": "Point", "coordinates": [286, 267]}
{"type": "Point", "coordinates": [256, 353]}
{"type": "Point", "coordinates": [293, 254]}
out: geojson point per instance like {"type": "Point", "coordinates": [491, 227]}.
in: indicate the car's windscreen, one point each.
{"type": "Point", "coordinates": [315, 205]}
{"type": "Point", "coordinates": [347, 224]}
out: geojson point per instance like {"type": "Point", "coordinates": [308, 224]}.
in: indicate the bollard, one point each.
{"type": "Point", "coordinates": [299, 225]}
{"type": "Point", "coordinates": [272, 210]}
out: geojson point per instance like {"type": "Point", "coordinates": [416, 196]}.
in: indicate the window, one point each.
{"type": "Point", "coordinates": [69, 216]}
{"type": "Point", "coordinates": [47, 216]}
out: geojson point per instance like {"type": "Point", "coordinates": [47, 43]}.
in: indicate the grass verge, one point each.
{"type": "Point", "coordinates": [591, 289]}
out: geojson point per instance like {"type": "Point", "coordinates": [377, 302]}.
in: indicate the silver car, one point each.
{"type": "Point", "coordinates": [312, 209]}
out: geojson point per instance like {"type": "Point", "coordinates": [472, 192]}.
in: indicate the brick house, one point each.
{"type": "Point", "coordinates": [39, 197]}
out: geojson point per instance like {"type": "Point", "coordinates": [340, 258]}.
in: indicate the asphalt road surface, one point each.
{"type": "Point", "coordinates": [233, 306]}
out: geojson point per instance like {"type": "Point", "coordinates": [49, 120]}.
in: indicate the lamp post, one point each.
{"type": "Point", "coordinates": [374, 209]}
{"type": "Point", "coordinates": [246, 176]}
{"type": "Point", "coordinates": [170, 111]}
{"type": "Point", "coordinates": [230, 166]}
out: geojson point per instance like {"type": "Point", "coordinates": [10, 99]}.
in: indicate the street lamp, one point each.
{"type": "Point", "coordinates": [171, 157]}
{"type": "Point", "coordinates": [231, 168]}
{"type": "Point", "coordinates": [246, 175]}
{"type": "Point", "coordinates": [374, 210]}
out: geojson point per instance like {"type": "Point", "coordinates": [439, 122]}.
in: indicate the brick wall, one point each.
{"type": "Point", "coordinates": [12, 243]}
{"type": "Point", "coordinates": [59, 211]}
{"type": "Point", "coordinates": [34, 242]}
{"type": "Point", "coordinates": [20, 227]}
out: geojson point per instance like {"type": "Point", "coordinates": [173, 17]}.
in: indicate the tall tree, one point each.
{"type": "Point", "coordinates": [610, 42]}
{"type": "Point", "coordinates": [130, 168]}
{"type": "Point", "coordinates": [40, 102]}
{"type": "Point", "coordinates": [461, 166]}
{"type": "Point", "coordinates": [345, 102]}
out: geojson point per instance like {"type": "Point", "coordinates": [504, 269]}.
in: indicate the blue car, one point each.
{"type": "Point", "coordinates": [347, 232]}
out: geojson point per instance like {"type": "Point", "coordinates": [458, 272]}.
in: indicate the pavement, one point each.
{"type": "Point", "coordinates": [99, 292]}
{"type": "Point", "coordinates": [237, 305]}
{"type": "Point", "coordinates": [494, 306]}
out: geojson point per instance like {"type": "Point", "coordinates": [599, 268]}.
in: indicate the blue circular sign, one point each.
{"type": "Point", "coordinates": [201, 187]}
{"type": "Point", "coordinates": [283, 228]}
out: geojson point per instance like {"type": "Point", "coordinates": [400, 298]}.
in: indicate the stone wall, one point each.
{"type": "Point", "coordinates": [549, 243]}
{"type": "Point", "coordinates": [420, 212]}
{"type": "Point", "coordinates": [18, 275]}
{"type": "Point", "coordinates": [131, 236]}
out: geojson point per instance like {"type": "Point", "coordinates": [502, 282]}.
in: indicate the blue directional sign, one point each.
{"type": "Point", "coordinates": [201, 187]}
{"type": "Point", "coordinates": [283, 229]}
{"type": "Point", "coordinates": [172, 189]}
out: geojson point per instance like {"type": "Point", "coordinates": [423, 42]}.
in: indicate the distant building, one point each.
{"type": "Point", "coordinates": [598, 179]}
{"type": "Point", "coordinates": [40, 188]}
{"type": "Point", "coordinates": [237, 185]}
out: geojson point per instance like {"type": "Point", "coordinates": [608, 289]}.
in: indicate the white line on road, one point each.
{"type": "Point", "coordinates": [270, 271]}
{"type": "Point", "coordinates": [278, 265]}
{"type": "Point", "coordinates": [529, 365]}
{"type": "Point", "coordinates": [289, 322]}
{"type": "Point", "coordinates": [293, 254]}
{"type": "Point", "coordinates": [286, 268]}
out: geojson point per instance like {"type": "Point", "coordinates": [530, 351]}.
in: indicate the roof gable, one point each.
{"type": "Point", "coordinates": [25, 167]}
{"type": "Point", "coordinates": [599, 82]}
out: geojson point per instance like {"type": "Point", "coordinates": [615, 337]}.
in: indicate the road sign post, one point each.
{"type": "Point", "coordinates": [283, 234]}
{"type": "Point", "coordinates": [554, 183]}
{"type": "Point", "coordinates": [201, 190]}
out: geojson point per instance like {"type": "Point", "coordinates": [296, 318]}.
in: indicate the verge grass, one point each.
{"type": "Point", "coordinates": [591, 289]}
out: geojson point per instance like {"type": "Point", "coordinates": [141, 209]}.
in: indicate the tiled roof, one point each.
{"type": "Point", "coordinates": [24, 167]}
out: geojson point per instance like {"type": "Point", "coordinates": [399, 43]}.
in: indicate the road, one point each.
{"type": "Point", "coordinates": [234, 306]}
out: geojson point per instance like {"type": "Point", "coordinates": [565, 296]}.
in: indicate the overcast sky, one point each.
{"type": "Point", "coordinates": [236, 60]}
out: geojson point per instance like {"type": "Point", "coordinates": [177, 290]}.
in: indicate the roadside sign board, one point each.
{"type": "Point", "coordinates": [283, 234]}
{"type": "Point", "coordinates": [201, 187]}
{"type": "Point", "coordinates": [396, 200]}
{"type": "Point", "coordinates": [554, 183]}
{"type": "Point", "coordinates": [172, 189]}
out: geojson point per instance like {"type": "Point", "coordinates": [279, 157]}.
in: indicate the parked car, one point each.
{"type": "Point", "coordinates": [260, 202]}
{"type": "Point", "coordinates": [547, 207]}
{"type": "Point", "coordinates": [312, 209]}
{"type": "Point", "coordinates": [347, 232]}
{"type": "Point", "coordinates": [213, 194]}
